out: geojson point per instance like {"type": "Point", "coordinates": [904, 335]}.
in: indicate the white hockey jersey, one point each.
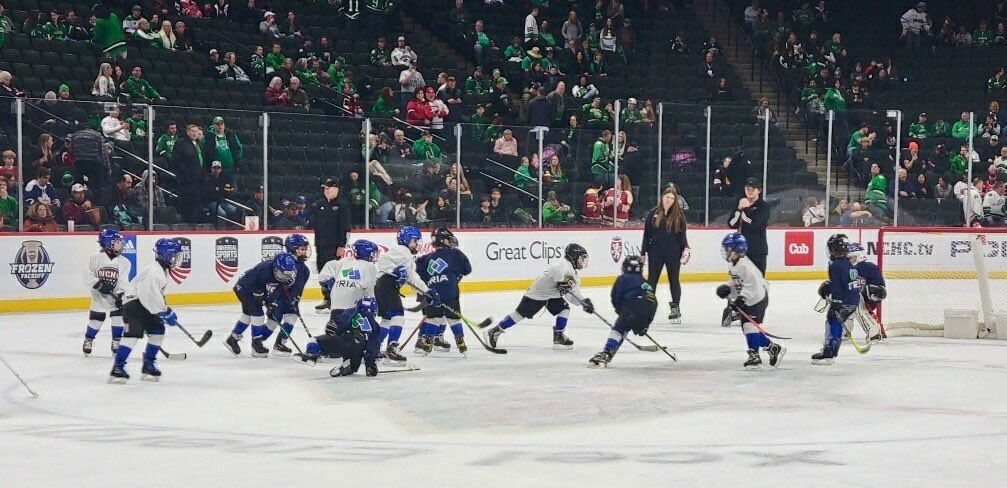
{"type": "Point", "coordinates": [972, 200]}
{"type": "Point", "coordinates": [353, 279]}
{"type": "Point", "coordinates": [747, 281]}
{"type": "Point", "coordinates": [148, 288]}
{"type": "Point", "coordinates": [396, 256]}
{"type": "Point", "coordinates": [545, 287]}
{"type": "Point", "coordinates": [993, 205]}
{"type": "Point", "coordinates": [110, 270]}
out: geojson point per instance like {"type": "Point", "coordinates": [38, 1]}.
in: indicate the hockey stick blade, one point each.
{"type": "Point", "coordinates": [403, 370]}
{"type": "Point", "coordinates": [174, 356]}
{"type": "Point", "coordinates": [420, 305]}
{"type": "Point", "coordinates": [206, 338]}
{"type": "Point", "coordinates": [475, 332]}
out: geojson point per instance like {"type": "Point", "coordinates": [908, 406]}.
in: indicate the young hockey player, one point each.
{"type": "Point", "coordinates": [748, 292]}
{"type": "Point", "coordinates": [843, 288]}
{"type": "Point", "coordinates": [145, 312]}
{"type": "Point", "coordinates": [633, 299]}
{"type": "Point", "coordinates": [108, 278]}
{"type": "Point", "coordinates": [397, 267]}
{"type": "Point", "coordinates": [351, 278]}
{"type": "Point", "coordinates": [353, 335]}
{"type": "Point", "coordinates": [442, 270]}
{"type": "Point", "coordinates": [251, 291]}
{"type": "Point", "coordinates": [872, 288]}
{"type": "Point", "coordinates": [283, 303]}
{"type": "Point", "coordinates": [547, 291]}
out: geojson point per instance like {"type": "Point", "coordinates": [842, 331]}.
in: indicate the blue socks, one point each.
{"type": "Point", "coordinates": [457, 330]}
{"type": "Point", "coordinates": [91, 332]}
{"type": "Point", "coordinates": [122, 354]}
{"type": "Point", "coordinates": [239, 328]}
{"type": "Point", "coordinates": [394, 332]}
{"type": "Point", "coordinates": [150, 353]}
{"type": "Point", "coordinates": [507, 322]}
{"type": "Point", "coordinates": [757, 340]}
{"type": "Point", "coordinates": [560, 322]}
{"type": "Point", "coordinates": [261, 332]}
{"type": "Point", "coordinates": [427, 329]}
{"type": "Point", "coordinates": [313, 349]}
{"type": "Point", "coordinates": [116, 332]}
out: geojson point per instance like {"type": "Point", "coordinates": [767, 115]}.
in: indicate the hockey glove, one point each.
{"type": "Point", "coordinates": [401, 275]}
{"type": "Point", "coordinates": [118, 301]}
{"type": "Point", "coordinates": [824, 290]}
{"type": "Point", "coordinates": [273, 310]}
{"type": "Point", "coordinates": [564, 287]}
{"type": "Point", "coordinates": [371, 367]}
{"type": "Point", "coordinates": [723, 291]}
{"type": "Point", "coordinates": [432, 297]}
{"type": "Point", "coordinates": [875, 293]}
{"type": "Point", "coordinates": [738, 302]}
{"type": "Point", "coordinates": [587, 305]}
{"type": "Point", "coordinates": [168, 317]}
{"type": "Point", "coordinates": [104, 287]}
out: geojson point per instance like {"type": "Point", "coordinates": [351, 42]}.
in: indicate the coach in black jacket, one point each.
{"type": "Point", "coordinates": [329, 216]}
{"type": "Point", "coordinates": [751, 219]}
{"type": "Point", "coordinates": [187, 163]}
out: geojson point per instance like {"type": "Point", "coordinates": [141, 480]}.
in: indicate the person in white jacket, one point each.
{"type": "Point", "coordinates": [113, 128]}
{"type": "Point", "coordinates": [916, 24]}
{"type": "Point", "coordinates": [531, 26]}
{"type": "Point", "coordinates": [108, 280]}
{"type": "Point", "coordinates": [145, 311]}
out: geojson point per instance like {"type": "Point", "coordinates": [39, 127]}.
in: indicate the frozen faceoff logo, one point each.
{"type": "Point", "coordinates": [226, 258]}
{"type": "Point", "coordinates": [32, 265]}
{"type": "Point", "coordinates": [799, 249]}
{"type": "Point", "coordinates": [271, 246]}
{"type": "Point", "coordinates": [181, 272]}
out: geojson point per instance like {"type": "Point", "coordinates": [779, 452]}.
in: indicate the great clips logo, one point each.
{"type": "Point", "coordinates": [799, 249]}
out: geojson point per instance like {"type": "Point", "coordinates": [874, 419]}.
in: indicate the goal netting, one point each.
{"type": "Point", "coordinates": [934, 272]}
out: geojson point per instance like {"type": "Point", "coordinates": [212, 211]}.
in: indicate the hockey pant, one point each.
{"type": "Point", "coordinates": [139, 321]}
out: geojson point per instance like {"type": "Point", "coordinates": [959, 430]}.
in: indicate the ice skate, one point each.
{"type": "Point", "coordinates": [776, 353]}
{"type": "Point", "coordinates": [371, 368]}
{"type": "Point", "coordinates": [322, 308]}
{"type": "Point", "coordinates": [232, 344]}
{"type": "Point", "coordinates": [392, 356]}
{"type": "Point", "coordinates": [150, 371]}
{"type": "Point", "coordinates": [311, 359]}
{"type": "Point", "coordinates": [460, 342]}
{"type": "Point", "coordinates": [492, 335]}
{"type": "Point", "coordinates": [258, 350]}
{"type": "Point", "coordinates": [676, 315]}
{"type": "Point", "coordinates": [754, 360]}
{"type": "Point", "coordinates": [440, 345]}
{"type": "Point", "coordinates": [600, 360]}
{"type": "Point", "coordinates": [118, 374]}
{"type": "Point", "coordinates": [560, 340]}
{"type": "Point", "coordinates": [280, 348]}
{"type": "Point", "coordinates": [824, 358]}
{"type": "Point", "coordinates": [88, 344]}
{"type": "Point", "coordinates": [423, 346]}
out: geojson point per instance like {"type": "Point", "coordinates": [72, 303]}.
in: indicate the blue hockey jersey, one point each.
{"type": "Point", "coordinates": [286, 298]}
{"type": "Point", "coordinates": [627, 287]}
{"type": "Point", "coordinates": [442, 270]}
{"type": "Point", "coordinates": [870, 274]}
{"type": "Point", "coordinates": [259, 277]}
{"type": "Point", "coordinates": [367, 324]}
{"type": "Point", "coordinates": [844, 282]}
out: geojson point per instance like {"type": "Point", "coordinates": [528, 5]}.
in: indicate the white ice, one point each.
{"type": "Point", "coordinates": [912, 412]}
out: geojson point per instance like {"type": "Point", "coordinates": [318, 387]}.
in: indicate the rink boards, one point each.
{"type": "Point", "coordinates": [47, 271]}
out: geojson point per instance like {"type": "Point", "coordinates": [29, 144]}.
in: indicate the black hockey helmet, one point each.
{"type": "Point", "coordinates": [838, 245]}
{"type": "Point", "coordinates": [633, 264]}
{"type": "Point", "coordinates": [577, 255]}
{"type": "Point", "coordinates": [443, 237]}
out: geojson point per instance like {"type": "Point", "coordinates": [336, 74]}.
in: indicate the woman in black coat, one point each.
{"type": "Point", "coordinates": [665, 245]}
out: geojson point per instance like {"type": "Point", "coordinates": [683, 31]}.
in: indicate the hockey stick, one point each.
{"type": "Point", "coordinates": [18, 376]}
{"type": "Point", "coordinates": [411, 334]}
{"type": "Point", "coordinates": [659, 346]}
{"type": "Point", "coordinates": [292, 341]}
{"type": "Point", "coordinates": [174, 356]}
{"type": "Point", "coordinates": [202, 340]}
{"type": "Point", "coordinates": [420, 302]}
{"type": "Point", "coordinates": [481, 325]}
{"type": "Point", "coordinates": [306, 330]}
{"type": "Point", "coordinates": [403, 370]}
{"type": "Point", "coordinates": [756, 323]}
{"type": "Point", "coordinates": [853, 342]}
{"type": "Point", "coordinates": [822, 305]}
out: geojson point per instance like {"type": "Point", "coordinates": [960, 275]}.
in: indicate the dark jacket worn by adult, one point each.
{"type": "Point", "coordinates": [540, 111]}
{"type": "Point", "coordinates": [187, 163]}
{"type": "Point", "coordinates": [664, 248]}
{"type": "Point", "coordinates": [330, 219]}
{"type": "Point", "coordinates": [752, 223]}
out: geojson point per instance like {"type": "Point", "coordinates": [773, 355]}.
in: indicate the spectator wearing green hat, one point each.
{"type": "Point", "coordinates": [920, 129]}
{"type": "Point", "coordinates": [221, 144]}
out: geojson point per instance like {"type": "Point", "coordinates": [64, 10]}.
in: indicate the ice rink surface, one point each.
{"type": "Point", "coordinates": [920, 412]}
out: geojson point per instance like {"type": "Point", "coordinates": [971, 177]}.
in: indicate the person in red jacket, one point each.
{"type": "Point", "coordinates": [418, 110]}
{"type": "Point", "coordinates": [590, 210]}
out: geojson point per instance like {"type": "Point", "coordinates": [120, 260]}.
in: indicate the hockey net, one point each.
{"type": "Point", "coordinates": [931, 270]}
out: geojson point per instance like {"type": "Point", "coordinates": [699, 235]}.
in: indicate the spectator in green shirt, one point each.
{"type": "Point", "coordinates": [595, 114]}
{"type": "Point", "coordinates": [531, 58]}
{"type": "Point", "coordinates": [876, 195]}
{"type": "Point", "coordinates": [166, 143]}
{"type": "Point", "coordinates": [553, 211]}
{"type": "Point", "coordinates": [982, 36]}
{"type": "Point", "coordinates": [221, 144]}
{"type": "Point", "coordinates": [834, 45]}
{"type": "Point", "coordinates": [545, 38]}
{"type": "Point", "coordinates": [960, 161]}
{"type": "Point", "coordinates": [6, 26]}
{"type": "Point", "coordinates": [920, 129]}
{"type": "Point", "coordinates": [601, 157]}
{"type": "Point", "coordinates": [856, 138]}
{"type": "Point", "coordinates": [275, 58]}
{"type": "Point", "coordinates": [835, 99]}
{"type": "Point", "coordinates": [631, 114]}
{"type": "Point", "coordinates": [425, 148]}
{"type": "Point", "coordinates": [482, 44]}
{"type": "Point", "coordinates": [515, 52]}
{"type": "Point", "coordinates": [139, 89]}
{"type": "Point", "coordinates": [380, 54]}
{"type": "Point", "coordinates": [477, 84]}
{"type": "Point", "coordinates": [8, 206]}
{"type": "Point", "coordinates": [137, 125]}
{"type": "Point", "coordinates": [54, 30]}
{"type": "Point", "coordinates": [960, 130]}
{"type": "Point", "coordinates": [384, 106]}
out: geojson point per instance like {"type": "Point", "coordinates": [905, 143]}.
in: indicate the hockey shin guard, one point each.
{"type": "Point", "coordinates": [510, 320]}
{"type": "Point", "coordinates": [241, 325]}
{"type": "Point", "coordinates": [125, 347]}
{"type": "Point", "coordinates": [615, 338]}
{"type": "Point", "coordinates": [561, 319]}
{"type": "Point", "coordinates": [116, 322]}
{"type": "Point", "coordinates": [457, 330]}
{"type": "Point", "coordinates": [94, 321]}
{"type": "Point", "coordinates": [754, 337]}
{"type": "Point", "coordinates": [394, 325]}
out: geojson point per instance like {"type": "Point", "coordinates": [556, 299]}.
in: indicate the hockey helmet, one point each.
{"type": "Point", "coordinates": [407, 235]}
{"type": "Point", "coordinates": [855, 251]}
{"type": "Point", "coordinates": [443, 237]}
{"type": "Point", "coordinates": [294, 242]}
{"type": "Point", "coordinates": [284, 268]}
{"type": "Point", "coordinates": [577, 255]}
{"type": "Point", "coordinates": [733, 246]}
{"type": "Point", "coordinates": [365, 250]}
{"type": "Point", "coordinates": [110, 240]}
{"type": "Point", "coordinates": [168, 252]}
{"type": "Point", "coordinates": [633, 264]}
{"type": "Point", "coordinates": [839, 245]}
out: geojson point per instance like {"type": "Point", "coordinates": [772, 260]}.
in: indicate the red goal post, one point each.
{"type": "Point", "coordinates": [933, 271]}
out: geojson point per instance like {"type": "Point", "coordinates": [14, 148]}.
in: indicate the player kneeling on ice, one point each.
{"type": "Point", "coordinates": [547, 291]}
{"type": "Point", "coordinates": [843, 290]}
{"type": "Point", "coordinates": [144, 311]}
{"type": "Point", "coordinates": [397, 267]}
{"type": "Point", "coordinates": [352, 335]}
{"type": "Point", "coordinates": [872, 291]}
{"type": "Point", "coordinates": [748, 294]}
{"type": "Point", "coordinates": [108, 278]}
{"type": "Point", "coordinates": [251, 291]}
{"type": "Point", "coordinates": [633, 299]}
{"type": "Point", "coordinates": [442, 270]}
{"type": "Point", "coordinates": [283, 302]}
